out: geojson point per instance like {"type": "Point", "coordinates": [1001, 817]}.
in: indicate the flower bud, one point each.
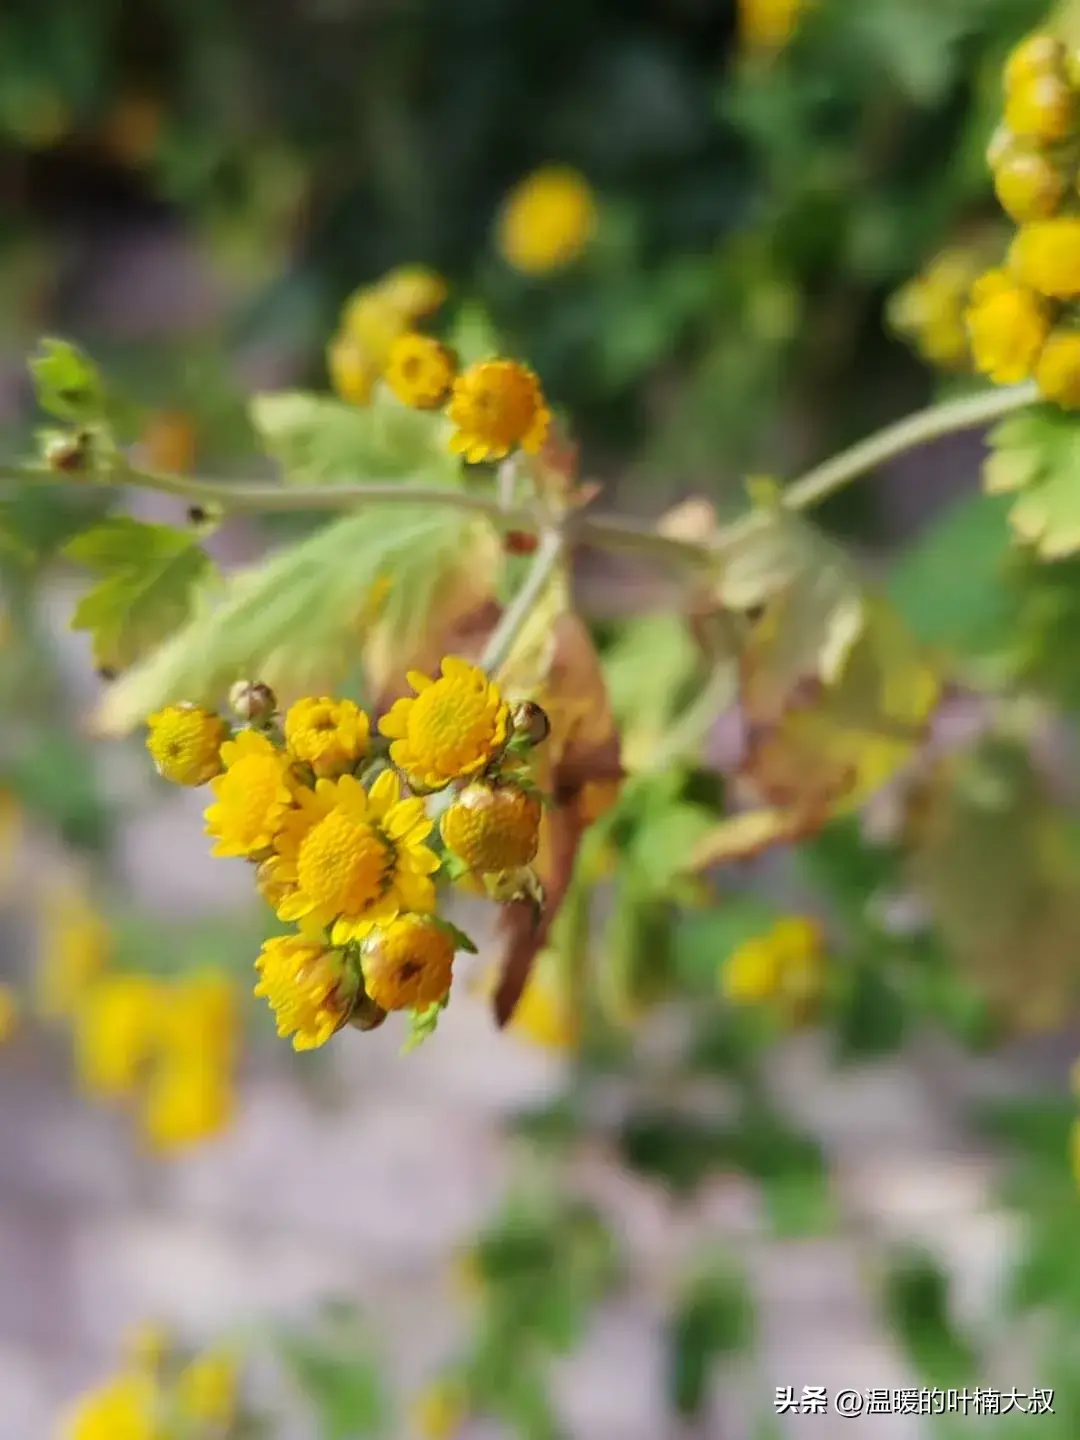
{"type": "Point", "coordinates": [530, 723]}
{"type": "Point", "coordinates": [252, 701]}
{"type": "Point", "coordinates": [366, 1014]}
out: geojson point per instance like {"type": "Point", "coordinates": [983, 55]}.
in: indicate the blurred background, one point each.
{"type": "Point", "coordinates": [693, 218]}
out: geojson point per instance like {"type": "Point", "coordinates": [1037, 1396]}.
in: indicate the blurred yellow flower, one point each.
{"type": "Point", "coordinates": [146, 1346]}
{"type": "Point", "coordinates": [11, 822]}
{"type": "Point", "coordinates": [785, 966]}
{"type": "Point", "coordinates": [545, 1015]}
{"type": "Point", "coordinates": [769, 25]}
{"type": "Point", "coordinates": [1057, 371]}
{"type": "Point", "coordinates": [124, 1408]}
{"type": "Point", "coordinates": [352, 371]}
{"type": "Point", "coordinates": [9, 1012]}
{"type": "Point", "coordinates": [74, 951]}
{"type": "Point", "coordinates": [117, 1027]}
{"type": "Point", "coordinates": [372, 319]}
{"type": "Point", "coordinates": [187, 1100]}
{"type": "Point", "coordinates": [206, 1390]}
{"type": "Point", "coordinates": [200, 1019]}
{"type": "Point", "coordinates": [420, 370]}
{"type": "Point", "coordinates": [547, 220]}
{"type": "Point", "coordinates": [1046, 256]}
{"type": "Point", "coordinates": [439, 1410]}
{"type": "Point", "coordinates": [1008, 324]}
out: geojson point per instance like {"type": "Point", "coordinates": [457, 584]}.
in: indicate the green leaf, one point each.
{"type": "Point", "coordinates": [339, 1379]}
{"type": "Point", "coordinates": [948, 585]}
{"type": "Point", "coordinates": [319, 440]}
{"type": "Point", "coordinates": [871, 1015]}
{"type": "Point", "coordinates": [150, 576]}
{"type": "Point", "coordinates": [664, 842]}
{"type": "Point", "coordinates": [66, 383]}
{"type": "Point", "coordinates": [422, 1025]}
{"type": "Point", "coordinates": [1036, 457]}
{"type": "Point", "coordinates": [713, 1319]}
{"type": "Point", "coordinates": [295, 621]}
{"type": "Point", "coordinates": [917, 1305]}
{"type": "Point", "coordinates": [472, 336]}
{"type": "Point", "coordinates": [676, 1149]}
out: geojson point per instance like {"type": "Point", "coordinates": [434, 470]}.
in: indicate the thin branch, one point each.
{"type": "Point", "coordinates": [548, 554]}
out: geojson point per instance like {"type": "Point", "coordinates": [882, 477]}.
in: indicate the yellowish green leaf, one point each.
{"type": "Point", "coordinates": [648, 672]}
{"type": "Point", "coordinates": [1036, 457]}
{"type": "Point", "coordinates": [320, 440]}
{"type": "Point", "coordinates": [150, 575]}
{"type": "Point", "coordinates": [293, 621]}
{"type": "Point", "coordinates": [66, 383]}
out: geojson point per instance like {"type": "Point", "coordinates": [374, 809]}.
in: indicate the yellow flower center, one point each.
{"type": "Point", "coordinates": [344, 863]}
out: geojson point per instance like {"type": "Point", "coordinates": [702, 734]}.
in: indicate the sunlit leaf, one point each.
{"type": "Point", "coordinates": [647, 671]}
{"type": "Point", "coordinates": [1036, 458]}
{"type": "Point", "coordinates": [150, 575]}
{"type": "Point", "coordinates": [317, 439]}
{"type": "Point", "coordinates": [291, 621]}
{"type": "Point", "coordinates": [67, 383]}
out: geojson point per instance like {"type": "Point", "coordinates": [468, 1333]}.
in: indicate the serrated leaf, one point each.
{"type": "Point", "coordinates": [67, 383]}
{"type": "Point", "coordinates": [294, 620]}
{"type": "Point", "coordinates": [150, 574]}
{"type": "Point", "coordinates": [1036, 457]}
{"type": "Point", "coordinates": [319, 440]}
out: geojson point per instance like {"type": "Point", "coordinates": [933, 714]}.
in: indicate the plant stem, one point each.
{"type": "Point", "coordinates": [548, 554]}
{"type": "Point", "coordinates": [587, 528]}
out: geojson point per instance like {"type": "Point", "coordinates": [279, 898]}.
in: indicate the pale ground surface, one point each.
{"type": "Point", "coordinates": [367, 1199]}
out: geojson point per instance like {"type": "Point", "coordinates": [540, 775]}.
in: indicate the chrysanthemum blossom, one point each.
{"type": "Point", "coordinates": [420, 370]}
{"type": "Point", "coordinates": [497, 406]}
{"type": "Point", "coordinates": [185, 743]}
{"type": "Point", "coordinates": [329, 735]}
{"type": "Point", "coordinates": [1046, 256]}
{"type": "Point", "coordinates": [451, 729]}
{"type": "Point", "coordinates": [355, 857]}
{"type": "Point", "coordinates": [547, 220]}
{"type": "Point", "coordinates": [493, 827]}
{"type": "Point", "coordinates": [252, 798]}
{"type": "Point", "coordinates": [310, 988]}
{"type": "Point", "coordinates": [408, 964]}
{"type": "Point", "coordinates": [1007, 324]}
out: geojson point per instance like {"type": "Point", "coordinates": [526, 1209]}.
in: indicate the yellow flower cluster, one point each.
{"type": "Point", "coordinates": [335, 821]}
{"type": "Point", "coordinates": [495, 406]}
{"type": "Point", "coordinates": [547, 220]}
{"type": "Point", "coordinates": [784, 968]}
{"type": "Point", "coordinates": [1020, 320]}
{"type": "Point", "coordinates": [160, 1393]}
{"type": "Point", "coordinates": [169, 1044]}
{"type": "Point", "coordinates": [929, 311]}
{"type": "Point", "coordinates": [372, 319]}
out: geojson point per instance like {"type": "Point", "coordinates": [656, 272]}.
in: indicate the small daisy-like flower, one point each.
{"type": "Point", "coordinates": [751, 973]}
{"type": "Point", "coordinates": [1057, 372]}
{"type": "Point", "coordinates": [453, 728]}
{"type": "Point", "coordinates": [187, 1101]}
{"type": "Point", "coordinates": [329, 735]}
{"type": "Point", "coordinates": [1046, 256]}
{"type": "Point", "coordinates": [352, 371]}
{"type": "Point", "coordinates": [1028, 185]}
{"type": "Point", "coordinates": [769, 24]}
{"type": "Point", "coordinates": [493, 827]}
{"type": "Point", "coordinates": [355, 857]}
{"type": "Point", "coordinates": [1008, 324]}
{"type": "Point", "coordinates": [419, 370]}
{"type": "Point", "coordinates": [9, 1012]}
{"type": "Point", "coordinates": [375, 315]}
{"type": "Point", "coordinates": [117, 1027]}
{"type": "Point", "coordinates": [202, 1018]}
{"type": "Point", "coordinates": [497, 406]}
{"type": "Point", "coordinates": [252, 798]}
{"type": "Point", "coordinates": [785, 966]}
{"type": "Point", "coordinates": [547, 220]}
{"type": "Point", "coordinates": [207, 1390]}
{"type": "Point", "coordinates": [310, 988]}
{"type": "Point", "coordinates": [124, 1408]}
{"type": "Point", "coordinates": [408, 964]}
{"type": "Point", "coordinates": [185, 743]}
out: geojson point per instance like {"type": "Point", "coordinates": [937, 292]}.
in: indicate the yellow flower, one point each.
{"type": "Point", "coordinates": [1036, 55]}
{"type": "Point", "coordinates": [356, 857]}
{"type": "Point", "coordinates": [453, 728]}
{"type": "Point", "coordinates": [413, 291]}
{"type": "Point", "coordinates": [929, 310]}
{"type": "Point", "coordinates": [547, 220]}
{"type": "Point", "coordinates": [769, 24]}
{"type": "Point", "coordinates": [185, 742]}
{"type": "Point", "coordinates": [439, 1410]}
{"type": "Point", "coordinates": [375, 315]}
{"type": "Point", "coordinates": [496, 406]}
{"type": "Point", "coordinates": [206, 1390]}
{"type": "Point", "coordinates": [352, 371]}
{"type": "Point", "coordinates": [124, 1408]}
{"type": "Point", "coordinates": [311, 989]}
{"type": "Point", "coordinates": [10, 831]}
{"type": "Point", "coordinates": [9, 1012]}
{"type": "Point", "coordinates": [419, 370]}
{"type": "Point", "coordinates": [252, 798]}
{"type": "Point", "coordinates": [493, 827]}
{"type": "Point", "coordinates": [408, 964]}
{"type": "Point", "coordinates": [75, 949]}
{"type": "Point", "coordinates": [1046, 256]}
{"type": "Point", "coordinates": [751, 973]}
{"type": "Point", "coordinates": [1057, 373]}
{"type": "Point", "coordinates": [116, 1030]}
{"type": "Point", "coordinates": [187, 1100]}
{"type": "Point", "coordinates": [1008, 325]}
{"type": "Point", "coordinates": [1028, 185]}
{"type": "Point", "coordinates": [201, 1019]}
{"type": "Point", "coordinates": [1041, 108]}
{"type": "Point", "coordinates": [329, 735]}
{"type": "Point", "coordinates": [545, 1014]}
